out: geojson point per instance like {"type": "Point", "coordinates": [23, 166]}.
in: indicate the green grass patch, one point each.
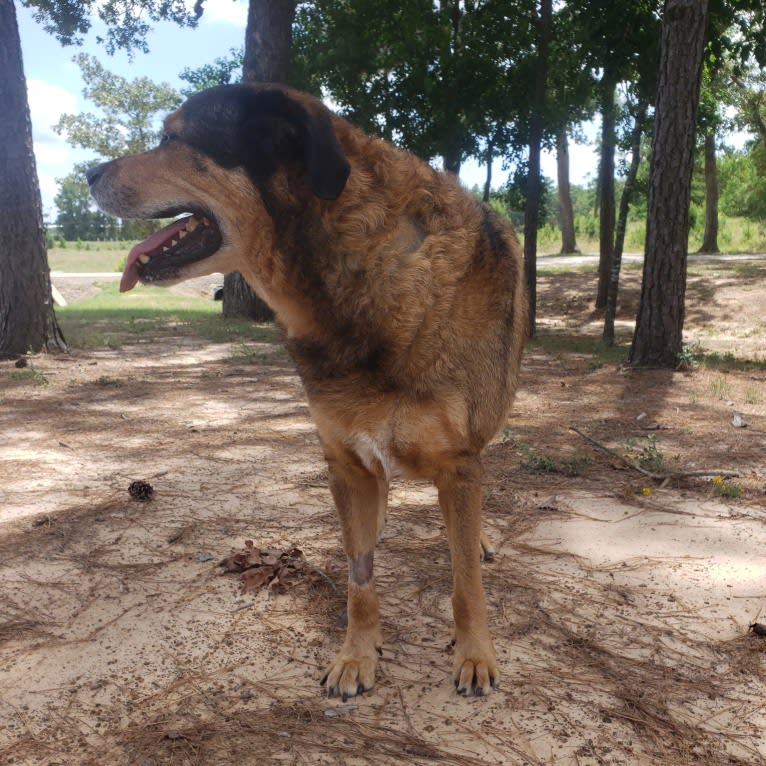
{"type": "Point", "coordinates": [88, 256]}
{"type": "Point", "coordinates": [31, 375]}
{"type": "Point", "coordinates": [592, 349]}
{"type": "Point", "coordinates": [534, 462]}
{"type": "Point", "coordinates": [112, 319]}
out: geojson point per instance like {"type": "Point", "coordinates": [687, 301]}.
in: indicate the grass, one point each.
{"type": "Point", "coordinates": [592, 349]}
{"type": "Point", "coordinates": [111, 320]}
{"type": "Point", "coordinates": [533, 461]}
{"type": "Point", "coordinates": [88, 256]}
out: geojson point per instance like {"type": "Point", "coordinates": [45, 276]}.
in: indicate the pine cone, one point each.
{"type": "Point", "coordinates": [140, 490]}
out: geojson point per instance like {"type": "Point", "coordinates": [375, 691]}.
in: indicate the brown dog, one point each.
{"type": "Point", "coordinates": [403, 302]}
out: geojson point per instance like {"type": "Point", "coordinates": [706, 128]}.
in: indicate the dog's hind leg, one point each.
{"type": "Point", "coordinates": [475, 665]}
{"type": "Point", "coordinates": [357, 495]}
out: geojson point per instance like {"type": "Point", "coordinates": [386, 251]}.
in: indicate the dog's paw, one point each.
{"type": "Point", "coordinates": [475, 667]}
{"type": "Point", "coordinates": [352, 672]}
{"type": "Point", "coordinates": [486, 552]}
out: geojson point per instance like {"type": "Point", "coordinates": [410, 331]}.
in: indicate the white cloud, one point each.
{"type": "Point", "coordinates": [225, 12]}
{"type": "Point", "coordinates": [47, 102]}
{"type": "Point", "coordinates": [53, 156]}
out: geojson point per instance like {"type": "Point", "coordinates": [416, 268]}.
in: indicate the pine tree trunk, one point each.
{"type": "Point", "coordinates": [488, 177]}
{"type": "Point", "coordinates": [606, 188]}
{"type": "Point", "coordinates": [710, 238]}
{"type": "Point", "coordinates": [610, 314]}
{"type": "Point", "coordinates": [268, 41]}
{"type": "Point", "coordinates": [566, 214]}
{"type": "Point", "coordinates": [659, 326]}
{"type": "Point", "coordinates": [27, 320]}
{"type": "Point", "coordinates": [534, 181]}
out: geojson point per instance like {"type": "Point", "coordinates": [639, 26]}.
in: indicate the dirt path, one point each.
{"type": "Point", "coordinates": [620, 608]}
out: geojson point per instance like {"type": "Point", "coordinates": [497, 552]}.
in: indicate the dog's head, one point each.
{"type": "Point", "coordinates": [219, 153]}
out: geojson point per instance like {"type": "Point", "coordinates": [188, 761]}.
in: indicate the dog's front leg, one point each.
{"type": "Point", "coordinates": [357, 496]}
{"type": "Point", "coordinates": [475, 666]}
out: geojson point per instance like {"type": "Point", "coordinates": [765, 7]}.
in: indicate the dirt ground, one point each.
{"type": "Point", "coordinates": [620, 604]}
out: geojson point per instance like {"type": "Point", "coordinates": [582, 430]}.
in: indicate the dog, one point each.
{"type": "Point", "coordinates": [402, 301]}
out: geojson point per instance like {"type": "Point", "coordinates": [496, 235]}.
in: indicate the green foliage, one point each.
{"type": "Point", "coordinates": [131, 111]}
{"type": "Point", "coordinates": [742, 182]}
{"type": "Point", "coordinates": [78, 217]}
{"type": "Point", "coordinates": [690, 357]}
{"type": "Point", "coordinates": [647, 453]}
{"type": "Point", "coordinates": [513, 197]}
{"type": "Point", "coordinates": [724, 488]}
{"type": "Point", "coordinates": [222, 71]}
{"type": "Point", "coordinates": [125, 20]}
{"type": "Point", "coordinates": [533, 462]}
{"type": "Point", "coordinates": [437, 78]}
{"type": "Point", "coordinates": [30, 374]}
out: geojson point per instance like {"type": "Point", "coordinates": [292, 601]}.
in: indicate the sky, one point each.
{"type": "Point", "coordinates": [55, 87]}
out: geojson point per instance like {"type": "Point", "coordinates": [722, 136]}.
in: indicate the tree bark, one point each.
{"type": "Point", "coordinates": [268, 41]}
{"type": "Point", "coordinates": [710, 238]}
{"type": "Point", "coordinates": [534, 181]}
{"type": "Point", "coordinates": [566, 214]}
{"type": "Point", "coordinates": [659, 325]}
{"type": "Point", "coordinates": [27, 319]}
{"type": "Point", "coordinates": [488, 177]}
{"type": "Point", "coordinates": [610, 313]}
{"type": "Point", "coordinates": [606, 188]}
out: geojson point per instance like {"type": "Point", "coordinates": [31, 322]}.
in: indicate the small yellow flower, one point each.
{"type": "Point", "coordinates": [718, 480]}
{"type": "Point", "coordinates": [646, 491]}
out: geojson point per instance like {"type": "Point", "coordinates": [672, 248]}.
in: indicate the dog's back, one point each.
{"type": "Point", "coordinates": [416, 294]}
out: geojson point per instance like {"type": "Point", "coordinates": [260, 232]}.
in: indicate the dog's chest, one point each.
{"type": "Point", "coordinates": [374, 451]}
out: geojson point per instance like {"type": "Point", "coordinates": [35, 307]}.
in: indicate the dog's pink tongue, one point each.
{"type": "Point", "coordinates": [152, 243]}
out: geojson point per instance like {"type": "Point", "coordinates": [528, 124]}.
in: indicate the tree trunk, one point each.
{"type": "Point", "coordinates": [622, 223]}
{"type": "Point", "coordinates": [659, 326]}
{"type": "Point", "coordinates": [27, 320]}
{"type": "Point", "coordinates": [453, 159]}
{"type": "Point", "coordinates": [606, 188]}
{"type": "Point", "coordinates": [710, 238]}
{"type": "Point", "coordinates": [268, 41]}
{"type": "Point", "coordinates": [534, 181]}
{"type": "Point", "coordinates": [488, 178]}
{"type": "Point", "coordinates": [566, 214]}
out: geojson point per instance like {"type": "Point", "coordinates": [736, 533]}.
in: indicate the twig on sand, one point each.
{"type": "Point", "coordinates": [664, 477]}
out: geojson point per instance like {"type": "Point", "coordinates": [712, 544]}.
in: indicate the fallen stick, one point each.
{"type": "Point", "coordinates": [650, 474]}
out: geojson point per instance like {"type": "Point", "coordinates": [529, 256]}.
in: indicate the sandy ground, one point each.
{"type": "Point", "coordinates": [619, 604]}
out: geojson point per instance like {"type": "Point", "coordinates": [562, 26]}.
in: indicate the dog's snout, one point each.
{"type": "Point", "coordinates": [94, 173]}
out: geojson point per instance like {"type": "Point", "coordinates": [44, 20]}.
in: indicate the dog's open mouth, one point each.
{"type": "Point", "coordinates": [160, 257]}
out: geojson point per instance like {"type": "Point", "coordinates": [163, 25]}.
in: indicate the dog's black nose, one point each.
{"type": "Point", "coordinates": [94, 173]}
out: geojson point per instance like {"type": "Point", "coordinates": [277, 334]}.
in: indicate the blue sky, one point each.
{"type": "Point", "coordinates": [55, 86]}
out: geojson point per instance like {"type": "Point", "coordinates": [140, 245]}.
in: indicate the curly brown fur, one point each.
{"type": "Point", "coordinates": [402, 300]}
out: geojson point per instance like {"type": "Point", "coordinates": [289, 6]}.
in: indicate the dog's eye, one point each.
{"type": "Point", "coordinates": [165, 138]}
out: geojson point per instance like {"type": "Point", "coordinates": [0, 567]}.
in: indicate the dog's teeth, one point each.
{"type": "Point", "coordinates": [182, 233]}
{"type": "Point", "coordinates": [173, 242]}
{"type": "Point", "coordinates": [165, 249]}
{"type": "Point", "coordinates": [143, 258]}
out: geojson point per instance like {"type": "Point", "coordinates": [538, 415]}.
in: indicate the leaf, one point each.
{"type": "Point", "coordinates": [255, 579]}
{"type": "Point", "coordinates": [260, 569]}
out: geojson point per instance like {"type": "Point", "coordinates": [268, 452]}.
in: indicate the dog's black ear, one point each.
{"type": "Point", "coordinates": [326, 165]}
{"type": "Point", "coordinates": [261, 128]}
{"type": "Point", "coordinates": [284, 129]}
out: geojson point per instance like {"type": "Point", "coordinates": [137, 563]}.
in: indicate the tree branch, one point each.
{"type": "Point", "coordinates": [651, 474]}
